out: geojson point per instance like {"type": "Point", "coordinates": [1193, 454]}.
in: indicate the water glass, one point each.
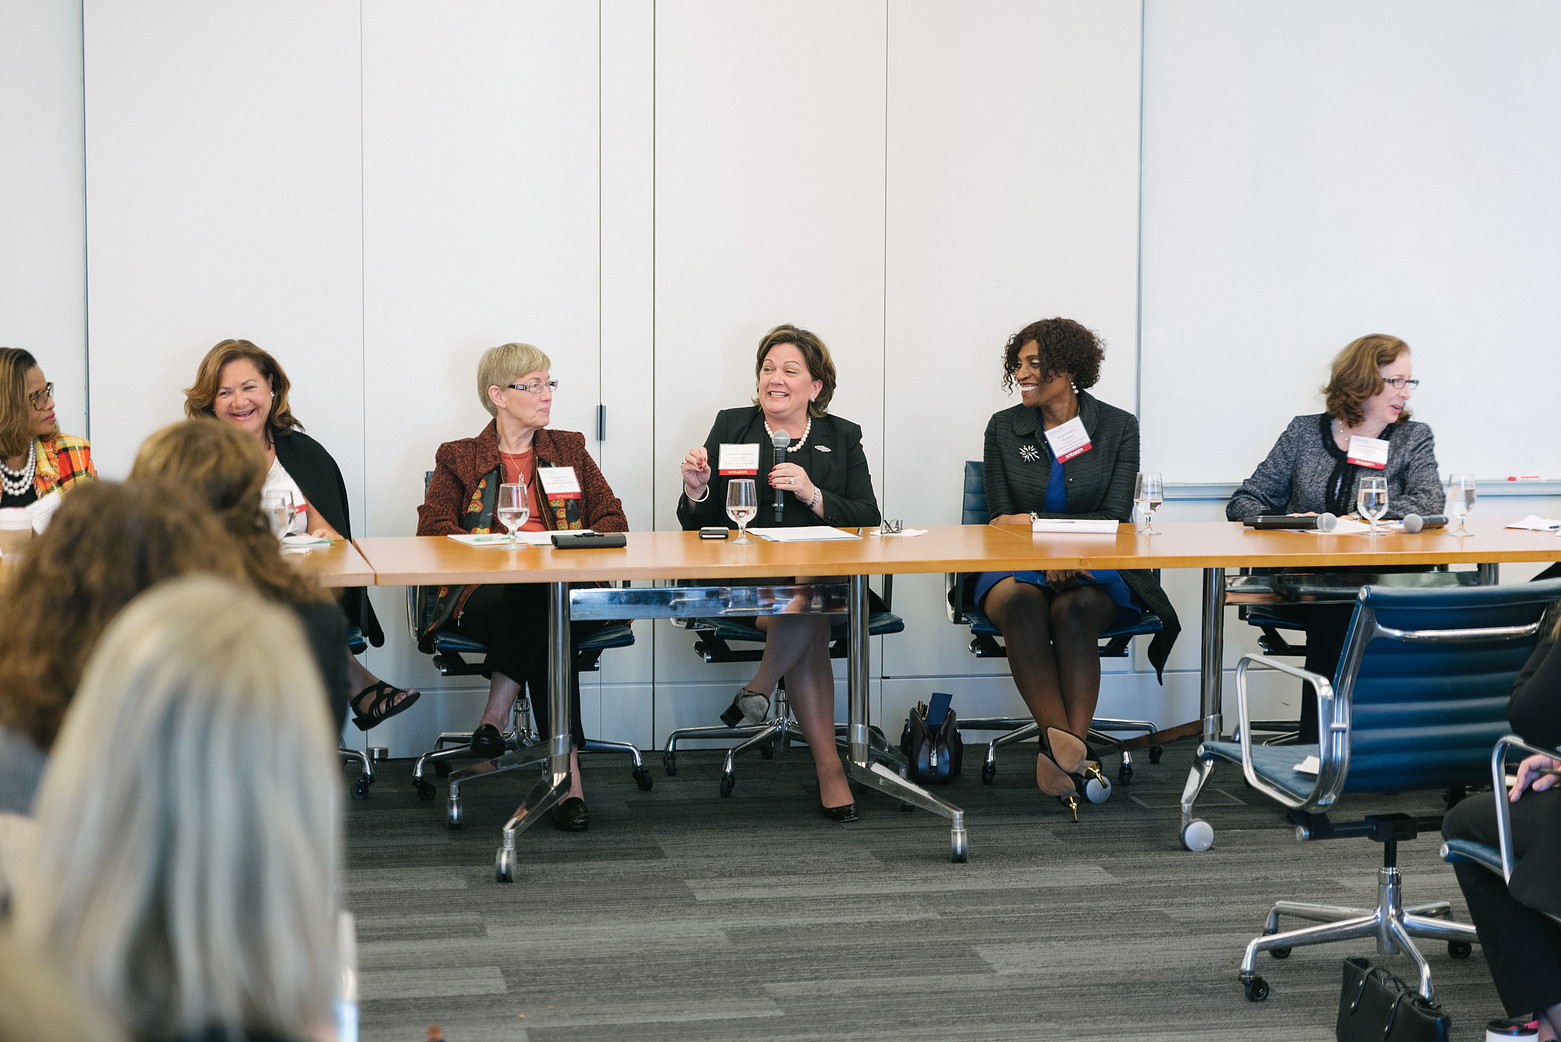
{"type": "Point", "coordinates": [742, 505]}
{"type": "Point", "coordinates": [1372, 499]}
{"type": "Point", "coordinates": [1148, 494]}
{"type": "Point", "coordinates": [1460, 500]}
{"type": "Point", "coordinates": [277, 505]}
{"type": "Point", "coordinates": [513, 509]}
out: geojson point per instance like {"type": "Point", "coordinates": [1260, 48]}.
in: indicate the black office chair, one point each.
{"type": "Point", "coordinates": [986, 642]}
{"type": "Point", "coordinates": [713, 642]}
{"type": "Point", "coordinates": [1418, 700]}
{"type": "Point", "coordinates": [451, 653]}
{"type": "Point", "coordinates": [357, 645]}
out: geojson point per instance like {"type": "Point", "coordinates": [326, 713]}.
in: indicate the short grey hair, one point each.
{"type": "Point", "coordinates": [218, 810]}
{"type": "Point", "coordinates": [500, 365]}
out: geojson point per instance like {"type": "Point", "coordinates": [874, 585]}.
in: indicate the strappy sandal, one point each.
{"type": "Point", "coordinates": [381, 703]}
{"type": "Point", "coordinates": [1071, 754]}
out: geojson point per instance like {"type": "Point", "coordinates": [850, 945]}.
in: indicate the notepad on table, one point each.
{"type": "Point", "coordinates": [1077, 526]}
{"type": "Point", "coordinates": [806, 534]}
{"type": "Point", "coordinates": [500, 539]}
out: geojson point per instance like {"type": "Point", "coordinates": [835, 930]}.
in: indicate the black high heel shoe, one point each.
{"type": "Point", "coordinates": [841, 814]}
{"type": "Point", "coordinates": [1071, 754]}
{"type": "Point", "coordinates": [1054, 781]}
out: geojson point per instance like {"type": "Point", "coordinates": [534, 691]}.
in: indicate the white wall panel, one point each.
{"type": "Point", "coordinates": [481, 194]}
{"type": "Point", "coordinates": [1013, 196]}
{"type": "Point", "coordinates": [769, 209]}
{"type": "Point", "coordinates": [42, 255]}
{"type": "Point", "coordinates": [223, 201]}
{"type": "Point", "coordinates": [1317, 172]}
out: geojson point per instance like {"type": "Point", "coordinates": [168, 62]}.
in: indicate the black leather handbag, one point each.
{"type": "Point", "coordinates": [1375, 1006]}
{"type": "Point", "coordinates": [932, 743]}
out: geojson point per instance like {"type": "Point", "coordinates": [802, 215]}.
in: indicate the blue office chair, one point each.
{"type": "Point", "coordinates": [451, 653]}
{"type": "Point", "coordinates": [1418, 700]}
{"type": "Point", "coordinates": [1499, 859]}
{"type": "Point", "coordinates": [986, 642]}
{"type": "Point", "coordinates": [713, 642]}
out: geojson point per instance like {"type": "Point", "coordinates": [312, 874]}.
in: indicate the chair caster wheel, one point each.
{"type": "Point", "coordinates": [504, 866]}
{"type": "Point", "coordinates": [1097, 790]}
{"type": "Point", "coordinates": [1125, 774]}
{"type": "Point", "coordinates": [1459, 949]}
{"type": "Point", "coordinates": [988, 772]}
{"type": "Point", "coordinates": [669, 762]}
{"type": "Point", "coordinates": [728, 783]}
{"type": "Point", "coordinates": [452, 814]}
{"type": "Point", "coordinates": [442, 768]}
{"type": "Point", "coordinates": [957, 852]}
{"type": "Point", "coordinates": [1154, 753]}
{"type": "Point", "coordinates": [425, 789]}
{"type": "Point", "coordinates": [1256, 988]}
{"type": "Point", "coordinates": [1198, 835]}
{"type": "Point", "coordinates": [360, 788]}
{"type": "Point", "coordinates": [643, 779]}
{"type": "Point", "coordinates": [1279, 953]}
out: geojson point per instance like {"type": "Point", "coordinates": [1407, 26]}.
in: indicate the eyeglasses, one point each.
{"type": "Point", "coordinates": [535, 386]}
{"type": "Point", "coordinates": [37, 398]}
{"type": "Point", "coordinates": [1398, 383]}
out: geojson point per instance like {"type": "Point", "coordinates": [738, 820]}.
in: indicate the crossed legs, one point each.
{"type": "Point", "coordinates": [796, 649]}
{"type": "Point", "coordinates": [1052, 649]}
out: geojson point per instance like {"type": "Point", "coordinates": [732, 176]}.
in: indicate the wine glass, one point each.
{"type": "Point", "coordinates": [742, 505]}
{"type": "Point", "coordinates": [277, 505]}
{"type": "Point", "coordinates": [1372, 499]}
{"type": "Point", "coordinates": [1460, 499]}
{"type": "Point", "coordinates": [1148, 494]}
{"type": "Point", "coordinates": [513, 509]}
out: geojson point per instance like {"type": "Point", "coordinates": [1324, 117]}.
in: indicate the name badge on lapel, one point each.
{"type": "Point", "coordinates": [559, 482]}
{"type": "Point", "coordinates": [740, 460]}
{"type": "Point", "coordinates": [1368, 452]}
{"type": "Point", "coordinates": [1068, 440]}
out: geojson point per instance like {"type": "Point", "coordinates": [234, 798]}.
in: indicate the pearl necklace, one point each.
{"type": "Point", "coordinates": [794, 446]}
{"type": "Point", "coordinates": [18, 482]}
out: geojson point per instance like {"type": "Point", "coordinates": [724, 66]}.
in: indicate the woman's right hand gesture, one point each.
{"type": "Point", "coordinates": [696, 473]}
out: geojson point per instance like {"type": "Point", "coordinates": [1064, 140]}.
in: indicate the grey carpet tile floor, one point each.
{"type": "Point", "coordinates": [682, 915]}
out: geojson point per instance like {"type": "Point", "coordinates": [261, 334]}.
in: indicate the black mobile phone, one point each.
{"type": "Point", "coordinates": [714, 532]}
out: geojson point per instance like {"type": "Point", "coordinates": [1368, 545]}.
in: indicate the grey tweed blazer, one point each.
{"type": "Point", "coordinates": [1099, 484]}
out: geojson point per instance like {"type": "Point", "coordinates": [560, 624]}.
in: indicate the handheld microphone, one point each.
{"type": "Point", "coordinates": [1324, 522]}
{"type": "Point", "coordinates": [1416, 523]}
{"type": "Point", "coordinates": [778, 441]}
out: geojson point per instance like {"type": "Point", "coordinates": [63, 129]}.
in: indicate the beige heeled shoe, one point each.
{"type": "Point", "coordinates": [1070, 753]}
{"type": "Point", "coordinates": [1054, 781]}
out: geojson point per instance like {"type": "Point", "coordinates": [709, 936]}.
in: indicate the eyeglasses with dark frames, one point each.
{"type": "Point", "coordinates": [37, 398]}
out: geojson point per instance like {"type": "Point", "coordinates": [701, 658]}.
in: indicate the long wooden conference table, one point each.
{"type": "Point", "coordinates": [1213, 547]}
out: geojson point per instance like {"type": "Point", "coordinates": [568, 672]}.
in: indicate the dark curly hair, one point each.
{"type": "Point", "coordinates": [1066, 348]}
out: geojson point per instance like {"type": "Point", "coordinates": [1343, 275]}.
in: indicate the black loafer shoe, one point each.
{"type": "Point", "coordinates": [841, 814]}
{"type": "Point", "coordinates": [487, 742]}
{"type": "Point", "coordinates": [572, 815]}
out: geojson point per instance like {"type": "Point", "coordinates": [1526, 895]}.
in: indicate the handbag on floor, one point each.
{"type": "Point", "coordinates": [1375, 1006]}
{"type": "Point", "coordinates": [931, 741]}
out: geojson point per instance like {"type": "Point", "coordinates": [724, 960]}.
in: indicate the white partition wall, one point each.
{"type": "Point", "coordinates": [769, 209]}
{"type": "Point", "coordinates": [223, 200]}
{"type": "Point", "coordinates": [42, 257]}
{"type": "Point", "coordinates": [1317, 172]}
{"type": "Point", "coordinates": [1012, 196]}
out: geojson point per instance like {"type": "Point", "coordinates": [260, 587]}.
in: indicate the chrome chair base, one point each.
{"type": "Point", "coordinates": [1393, 926]}
{"type": "Point", "coordinates": [1018, 729]}
{"type": "Point", "coordinates": [360, 788]}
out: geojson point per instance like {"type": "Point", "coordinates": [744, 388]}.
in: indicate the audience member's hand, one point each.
{"type": "Point", "coordinates": [1534, 773]}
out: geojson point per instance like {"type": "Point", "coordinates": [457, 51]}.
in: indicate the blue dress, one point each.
{"type": "Point", "coordinates": [1129, 608]}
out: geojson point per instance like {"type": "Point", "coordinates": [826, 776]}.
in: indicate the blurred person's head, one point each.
{"type": "Point", "coordinates": [36, 1004]}
{"type": "Point", "coordinates": [106, 543]}
{"type": "Point", "coordinates": [226, 470]}
{"type": "Point", "coordinates": [187, 878]}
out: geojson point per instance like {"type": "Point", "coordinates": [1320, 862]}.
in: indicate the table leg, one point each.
{"type": "Point", "coordinates": [555, 782]}
{"type": "Point", "coordinates": [862, 767]}
{"type": "Point", "coordinates": [1210, 704]}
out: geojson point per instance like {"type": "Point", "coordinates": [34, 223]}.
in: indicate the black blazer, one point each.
{"type": "Point", "coordinates": [832, 458]}
{"type": "Point", "coordinates": [320, 480]}
{"type": "Point", "coordinates": [1535, 713]}
{"type": "Point", "coordinates": [1099, 484]}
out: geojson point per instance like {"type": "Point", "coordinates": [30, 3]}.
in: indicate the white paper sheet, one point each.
{"type": "Point", "coordinates": [805, 534]}
{"type": "Point", "coordinates": [1075, 526]}
{"type": "Point", "coordinates": [501, 539]}
{"type": "Point", "coordinates": [1535, 523]}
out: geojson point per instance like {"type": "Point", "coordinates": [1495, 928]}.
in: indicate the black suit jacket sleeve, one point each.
{"type": "Point", "coordinates": [1535, 707]}
{"type": "Point", "coordinates": [833, 459]}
